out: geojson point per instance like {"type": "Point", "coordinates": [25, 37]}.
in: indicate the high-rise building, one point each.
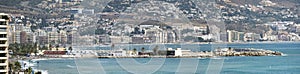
{"type": "Point", "coordinates": [4, 21]}
{"type": "Point", "coordinates": [229, 36]}
{"type": "Point", "coordinates": [235, 36]}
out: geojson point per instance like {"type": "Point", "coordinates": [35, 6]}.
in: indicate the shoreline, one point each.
{"type": "Point", "coordinates": [265, 42]}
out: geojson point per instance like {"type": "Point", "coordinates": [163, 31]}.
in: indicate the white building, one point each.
{"type": "Point", "coordinates": [119, 53]}
{"type": "Point", "coordinates": [178, 52]}
{"type": "Point", "coordinates": [4, 21]}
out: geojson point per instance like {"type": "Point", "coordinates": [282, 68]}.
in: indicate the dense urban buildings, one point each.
{"type": "Point", "coordinates": [162, 26]}
{"type": "Point", "coordinates": [119, 22]}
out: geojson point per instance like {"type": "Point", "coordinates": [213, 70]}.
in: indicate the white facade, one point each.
{"type": "Point", "coordinates": [178, 52]}
{"type": "Point", "coordinates": [119, 53]}
{"type": "Point", "coordinates": [4, 20]}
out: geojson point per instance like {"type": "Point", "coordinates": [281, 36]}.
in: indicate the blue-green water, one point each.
{"type": "Point", "coordinates": [289, 64]}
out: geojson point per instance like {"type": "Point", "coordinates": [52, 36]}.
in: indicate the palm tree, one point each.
{"type": "Point", "coordinates": [49, 47]}
{"type": "Point", "coordinates": [13, 47]}
{"type": "Point", "coordinates": [44, 48]}
{"type": "Point", "coordinates": [17, 67]}
{"type": "Point", "coordinates": [56, 47]}
{"type": "Point", "coordinates": [11, 68]}
{"type": "Point", "coordinates": [35, 52]}
{"type": "Point", "coordinates": [134, 51]}
{"type": "Point", "coordinates": [28, 71]}
{"type": "Point", "coordinates": [143, 49]}
{"type": "Point", "coordinates": [70, 48]}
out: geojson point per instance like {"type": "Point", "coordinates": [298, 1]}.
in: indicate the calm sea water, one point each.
{"type": "Point", "coordinates": [289, 64]}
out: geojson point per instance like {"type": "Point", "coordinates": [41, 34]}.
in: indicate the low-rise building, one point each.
{"type": "Point", "coordinates": [177, 52]}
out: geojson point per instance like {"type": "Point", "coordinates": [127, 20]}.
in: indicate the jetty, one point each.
{"type": "Point", "coordinates": [178, 53]}
{"type": "Point", "coordinates": [246, 52]}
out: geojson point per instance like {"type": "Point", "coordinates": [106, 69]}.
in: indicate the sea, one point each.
{"type": "Point", "coordinates": [289, 63]}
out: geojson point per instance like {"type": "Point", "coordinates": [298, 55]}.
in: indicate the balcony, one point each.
{"type": "Point", "coordinates": [3, 38]}
{"type": "Point", "coordinates": [3, 42]}
{"type": "Point", "coordinates": [4, 64]}
{"type": "Point", "coordinates": [3, 25]}
{"type": "Point", "coordinates": [4, 51]}
{"type": "Point", "coordinates": [3, 22]}
{"type": "Point", "coordinates": [3, 29]}
{"type": "Point", "coordinates": [3, 45]}
{"type": "Point", "coordinates": [3, 70]}
{"type": "Point", "coordinates": [4, 57]}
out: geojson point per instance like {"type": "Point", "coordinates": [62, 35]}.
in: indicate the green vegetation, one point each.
{"type": "Point", "coordinates": [134, 51]}
{"type": "Point", "coordinates": [28, 71]}
{"type": "Point", "coordinates": [70, 48]}
{"type": "Point", "coordinates": [143, 49]}
{"type": "Point", "coordinates": [15, 67]}
{"type": "Point", "coordinates": [25, 48]}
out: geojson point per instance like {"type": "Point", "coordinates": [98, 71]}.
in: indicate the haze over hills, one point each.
{"type": "Point", "coordinates": [252, 11]}
{"type": "Point", "coordinates": [196, 18]}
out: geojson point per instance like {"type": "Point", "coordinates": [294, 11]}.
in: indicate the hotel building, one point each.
{"type": "Point", "coordinates": [4, 20]}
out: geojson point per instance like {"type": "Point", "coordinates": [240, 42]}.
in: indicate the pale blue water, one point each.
{"type": "Point", "coordinates": [289, 64]}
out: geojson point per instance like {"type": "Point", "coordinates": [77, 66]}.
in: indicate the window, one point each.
{"type": "Point", "coordinates": [2, 48]}
{"type": "Point", "coordinates": [3, 36]}
{"type": "Point", "coordinates": [3, 54]}
{"type": "Point", "coordinates": [4, 17]}
{"type": "Point", "coordinates": [2, 42]}
{"type": "Point", "coordinates": [2, 23]}
{"type": "Point", "coordinates": [2, 29]}
{"type": "Point", "coordinates": [2, 61]}
{"type": "Point", "coordinates": [2, 67]}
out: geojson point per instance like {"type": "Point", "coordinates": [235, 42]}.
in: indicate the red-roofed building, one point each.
{"type": "Point", "coordinates": [54, 53]}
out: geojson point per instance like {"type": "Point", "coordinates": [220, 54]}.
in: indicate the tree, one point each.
{"type": "Point", "coordinates": [70, 48]}
{"type": "Point", "coordinates": [57, 47]}
{"type": "Point", "coordinates": [134, 51]}
{"type": "Point", "coordinates": [44, 48]}
{"type": "Point", "coordinates": [49, 47]}
{"type": "Point", "coordinates": [17, 67]}
{"type": "Point", "coordinates": [35, 52]}
{"type": "Point", "coordinates": [35, 45]}
{"type": "Point", "coordinates": [143, 49]}
{"type": "Point", "coordinates": [11, 67]}
{"type": "Point", "coordinates": [28, 71]}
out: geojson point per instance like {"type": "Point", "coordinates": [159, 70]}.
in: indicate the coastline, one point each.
{"type": "Point", "coordinates": [264, 42]}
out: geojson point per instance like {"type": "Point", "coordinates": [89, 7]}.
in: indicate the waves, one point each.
{"type": "Point", "coordinates": [25, 64]}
